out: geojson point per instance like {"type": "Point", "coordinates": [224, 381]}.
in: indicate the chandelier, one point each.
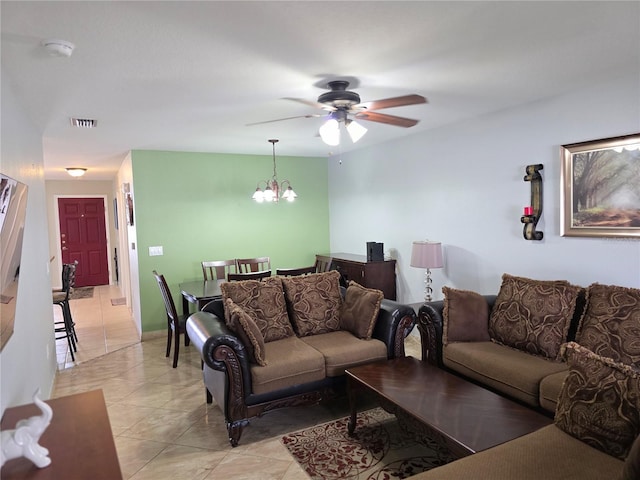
{"type": "Point", "coordinates": [272, 189]}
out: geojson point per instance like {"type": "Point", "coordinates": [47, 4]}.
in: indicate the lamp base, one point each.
{"type": "Point", "coordinates": [427, 287]}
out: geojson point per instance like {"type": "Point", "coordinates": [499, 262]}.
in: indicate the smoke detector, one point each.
{"type": "Point", "coordinates": [58, 48]}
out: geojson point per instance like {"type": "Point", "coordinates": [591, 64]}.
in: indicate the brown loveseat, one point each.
{"type": "Point", "coordinates": [515, 343]}
{"type": "Point", "coordinates": [286, 341]}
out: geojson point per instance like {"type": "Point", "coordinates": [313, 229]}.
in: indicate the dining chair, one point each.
{"type": "Point", "coordinates": [246, 265]}
{"type": "Point", "coordinates": [175, 323]}
{"type": "Point", "coordinates": [323, 263]}
{"type": "Point", "coordinates": [292, 272]}
{"type": "Point", "coordinates": [218, 269]}
{"type": "Point", "coordinates": [236, 277]}
{"type": "Point", "coordinates": [66, 327]}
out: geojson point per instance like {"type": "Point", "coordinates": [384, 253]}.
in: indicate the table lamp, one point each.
{"type": "Point", "coordinates": [426, 254]}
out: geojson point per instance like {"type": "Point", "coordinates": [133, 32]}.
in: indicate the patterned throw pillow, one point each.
{"type": "Point", "coordinates": [314, 302]}
{"type": "Point", "coordinates": [251, 336]}
{"type": "Point", "coordinates": [610, 325]}
{"type": "Point", "coordinates": [465, 316]}
{"type": "Point", "coordinates": [264, 302]}
{"type": "Point", "coordinates": [359, 310]}
{"type": "Point", "coordinates": [533, 315]}
{"type": "Point", "coordinates": [599, 402]}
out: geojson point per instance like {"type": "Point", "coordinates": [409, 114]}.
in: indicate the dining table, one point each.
{"type": "Point", "coordinates": [199, 293]}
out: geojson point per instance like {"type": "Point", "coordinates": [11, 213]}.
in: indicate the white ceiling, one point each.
{"type": "Point", "coordinates": [189, 76]}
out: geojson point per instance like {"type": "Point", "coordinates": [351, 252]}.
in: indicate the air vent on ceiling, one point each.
{"type": "Point", "coordinates": [84, 122]}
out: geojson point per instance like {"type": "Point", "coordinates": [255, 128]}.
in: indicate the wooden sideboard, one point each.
{"type": "Point", "coordinates": [79, 440]}
{"type": "Point", "coordinates": [380, 275]}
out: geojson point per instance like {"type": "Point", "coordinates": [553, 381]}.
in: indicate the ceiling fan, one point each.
{"type": "Point", "coordinates": [342, 103]}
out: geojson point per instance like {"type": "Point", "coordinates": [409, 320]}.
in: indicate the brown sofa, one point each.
{"type": "Point", "coordinates": [591, 387]}
{"type": "Point", "coordinates": [286, 341]}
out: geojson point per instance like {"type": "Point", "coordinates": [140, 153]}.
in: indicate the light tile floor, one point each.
{"type": "Point", "coordinates": [162, 426]}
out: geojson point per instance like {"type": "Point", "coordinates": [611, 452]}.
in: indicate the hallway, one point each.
{"type": "Point", "coordinates": [101, 327]}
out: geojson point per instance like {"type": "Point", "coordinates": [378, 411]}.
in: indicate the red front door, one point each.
{"type": "Point", "coordinates": [83, 238]}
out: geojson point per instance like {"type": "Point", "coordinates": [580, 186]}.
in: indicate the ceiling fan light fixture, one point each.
{"type": "Point", "coordinates": [330, 132]}
{"type": "Point", "coordinates": [356, 131]}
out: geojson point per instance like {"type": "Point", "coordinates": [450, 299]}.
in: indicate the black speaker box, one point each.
{"type": "Point", "coordinates": [375, 252]}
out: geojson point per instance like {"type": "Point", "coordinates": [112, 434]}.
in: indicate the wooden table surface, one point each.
{"type": "Point", "coordinates": [79, 440]}
{"type": "Point", "coordinates": [466, 416]}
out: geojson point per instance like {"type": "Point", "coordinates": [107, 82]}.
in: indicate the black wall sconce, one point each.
{"type": "Point", "coordinates": [533, 212]}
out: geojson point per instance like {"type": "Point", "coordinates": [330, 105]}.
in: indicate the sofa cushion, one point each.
{"type": "Point", "coordinates": [314, 302]}
{"type": "Point", "coordinates": [264, 302]}
{"type": "Point", "coordinates": [342, 350]}
{"type": "Point", "coordinates": [465, 316]}
{"type": "Point", "coordinates": [546, 454]}
{"type": "Point", "coordinates": [631, 470]}
{"type": "Point", "coordinates": [359, 310]}
{"type": "Point", "coordinates": [610, 325]}
{"type": "Point", "coordinates": [512, 372]}
{"type": "Point", "coordinates": [242, 323]}
{"type": "Point", "coordinates": [550, 388]}
{"type": "Point", "coordinates": [533, 315]}
{"type": "Point", "coordinates": [600, 401]}
{"type": "Point", "coordinates": [290, 362]}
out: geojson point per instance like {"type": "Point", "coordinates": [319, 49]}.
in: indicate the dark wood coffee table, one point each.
{"type": "Point", "coordinates": [467, 417]}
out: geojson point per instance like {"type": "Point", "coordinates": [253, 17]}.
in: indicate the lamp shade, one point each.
{"type": "Point", "coordinates": [425, 254]}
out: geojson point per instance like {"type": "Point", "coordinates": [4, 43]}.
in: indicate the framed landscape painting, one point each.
{"type": "Point", "coordinates": [600, 182]}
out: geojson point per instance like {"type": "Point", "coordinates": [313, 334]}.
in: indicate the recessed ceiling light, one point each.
{"type": "Point", "coordinates": [84, 122]}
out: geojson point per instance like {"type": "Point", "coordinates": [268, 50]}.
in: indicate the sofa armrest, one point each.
{"type": "Point", "coordinates": [395, 322]}
{"type": "Point", "coordinates": [221, 350]}
{"type": "Point", "coordinates": [430, 326]}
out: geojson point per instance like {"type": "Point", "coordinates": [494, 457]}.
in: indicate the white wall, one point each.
{"type": "Point", "coordinates": [28, 360]}
{"type": "Point", "coordinates": [463, 185]}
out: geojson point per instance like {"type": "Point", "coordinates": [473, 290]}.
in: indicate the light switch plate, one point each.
{"type": "Point", "coordinates": [155, 251]}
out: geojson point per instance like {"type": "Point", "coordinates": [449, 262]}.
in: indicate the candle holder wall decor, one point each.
{"type": "Point", "coordinates": [533, 211]}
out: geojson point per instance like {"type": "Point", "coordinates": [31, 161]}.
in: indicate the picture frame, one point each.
{"type": "Point", "coordinates": [600, 188]}
{"type": "Point", "coordinates": [129, 208]}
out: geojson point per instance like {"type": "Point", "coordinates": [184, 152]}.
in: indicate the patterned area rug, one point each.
{"type": "Point", "coordinates": [382, 448]}
{"type": "Point", "coordinates": [81, 292]}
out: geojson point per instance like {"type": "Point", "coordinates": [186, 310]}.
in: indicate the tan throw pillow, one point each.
{"type": "Point", "coordinates": [249, 333]}
{"type": "Point", "coordinates": [359, 310]}
{"type": "Point", "coordinates": [264, 302]}
{"type": "Point", "coordinates": [465, 316]}
{"type": "Point", "coordinates": [610, 325]}
{"type": "Point", "coordinates": [314, 302]}
{"type": "Point", "coordinates": [533, 315]}
{"type": "Point", "coordinates": [599, 403]}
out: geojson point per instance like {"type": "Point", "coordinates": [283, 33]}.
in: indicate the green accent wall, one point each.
{"type": "Point", "coordinates": [198, 206]}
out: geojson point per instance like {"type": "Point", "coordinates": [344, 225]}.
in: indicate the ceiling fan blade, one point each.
{"type": "Point", "coordinates": [311, 115]}
{"type": "Point", "coordinates": [311, 103]}
{"type": "Point", "coordinates": [394, 102]}
{"type": "Point", "coordinates": [388, 119]}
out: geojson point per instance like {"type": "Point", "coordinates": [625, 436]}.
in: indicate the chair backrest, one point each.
{"type": "Point", "coordinates": [323, 263]}
{"type": "Point", "coordinates": [292, 272]}
{"type": "Point", "coordinates": [218, 269]}
{"type": "Point", "coordinates": [236, 277]}
{"type": "Point", "coordinates": [258, 264]}
{"type": "Point", "coordinates": [68, 278]}
{"type": "Point", "coordinates": [170, 307]}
